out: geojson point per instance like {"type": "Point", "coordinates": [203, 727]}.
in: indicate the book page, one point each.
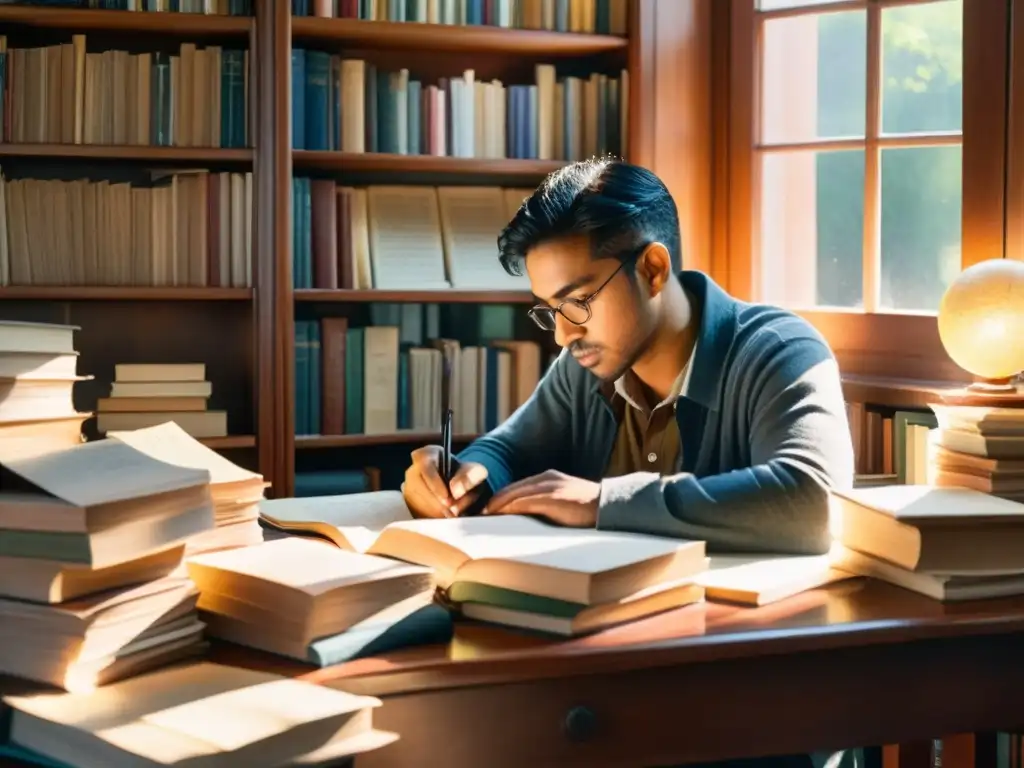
{"type": "Point", "coordinates": [524, 539]}
{"type": "Point", "coordinates": [405, 239]}
{"type": "Point", "coordinates": [171, 444]}
{"type": "Point", "coordinates": [312, 567]}
{"type": "Point", "coordinates": [922, 504]}
{"type": "Point", "coordinates": [185, 712]}
{"type": "Point", "coordinates": [760, 577]}
{"type": "Point", "coordinates": [471, 219]}
{"type": "Point", "coordinates": [103, 472]}
{"type": "Point", "coordinates": [360, 517]}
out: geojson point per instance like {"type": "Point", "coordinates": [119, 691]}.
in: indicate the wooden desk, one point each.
{"type": "Point", "coordinates": [858, 663]}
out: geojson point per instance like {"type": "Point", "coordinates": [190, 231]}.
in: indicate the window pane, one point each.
{"type": "Point", "coordinates": [776, 5]}
{"type": "Point", "coordinates": [922, 67]}
{"type": "Point", "coordinates": [814, 70]}
{"type": "Point", "coordinates": [812, 225]}
{"type": "Point", "coordinates": [921, 196]}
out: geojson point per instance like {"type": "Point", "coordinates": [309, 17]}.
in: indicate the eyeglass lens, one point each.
{"type": "Point", "coordinates": [572, 310]}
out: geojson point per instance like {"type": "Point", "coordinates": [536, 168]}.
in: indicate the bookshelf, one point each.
{"type": "Point", "coordinates": [138, 317]}
{"type": "Point", "coordinates": [429, 52]}
{"type": "Point", "coordinates": [245, 334]}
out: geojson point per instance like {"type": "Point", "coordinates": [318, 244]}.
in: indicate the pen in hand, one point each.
{"type": "Point", "coordinates": [466, 484]}
{"type": "Point", "coordinates": [445, 468]}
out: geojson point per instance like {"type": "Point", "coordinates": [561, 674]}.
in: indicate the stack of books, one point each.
{"type": "Point", "coordinates": [945, 543]}
{"type": "Point", "coordinates": [235, 492]}
{"type": "Point", "coordinates": [194, 714]}
{"type": "Point", "coordinates": [145, 395]}
{"type": "Point", "coordinates": [511, 570]}
{"type": "Point", "coordinates": [316, 603]}
{"type": "Point", "coordinates": [979, 448]}
{"type": "Point", "coordinates": [91, 581]}
{"type": "Point", "coordinates": [38, 372]}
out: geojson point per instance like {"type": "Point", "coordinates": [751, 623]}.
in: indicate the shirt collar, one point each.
{"type": "Point", "coordinates": [719, 316]}
{"type": "Point", "coordinates": [627, 386]}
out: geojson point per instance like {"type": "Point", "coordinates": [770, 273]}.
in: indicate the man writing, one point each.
{"type": "Point", "coordinates": [674, 409]}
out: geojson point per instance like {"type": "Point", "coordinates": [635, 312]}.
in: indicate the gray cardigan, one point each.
{"type": "Point", "coordinates": [763, 428]}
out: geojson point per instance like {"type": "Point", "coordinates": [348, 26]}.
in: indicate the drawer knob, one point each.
{"type": "Point", "coordinates": [580, 724]}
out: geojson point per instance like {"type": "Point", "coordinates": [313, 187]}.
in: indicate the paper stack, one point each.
{"type": "Point", "coordinates": [197, 714]}
{"type": "Point", "coordinates": [91, 544]}
{"type": "Point", "coordinates": [236, 492]}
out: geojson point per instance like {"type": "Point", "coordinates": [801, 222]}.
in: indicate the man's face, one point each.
{"type": "Point", "coordinates": [621, 318]}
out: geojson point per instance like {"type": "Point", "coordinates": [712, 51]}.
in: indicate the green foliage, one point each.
{"type": "Point", "coordinates": [922, 91]}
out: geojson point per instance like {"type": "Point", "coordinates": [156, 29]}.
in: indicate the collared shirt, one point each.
{"type": "Point", "coordinates": [648, 438]}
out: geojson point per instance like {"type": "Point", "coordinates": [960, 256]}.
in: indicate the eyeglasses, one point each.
{"type": "Point", "coordinates": [576, 311]}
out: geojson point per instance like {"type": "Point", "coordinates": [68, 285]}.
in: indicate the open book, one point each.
{"type": "Point", "coordinates": [513, 552]}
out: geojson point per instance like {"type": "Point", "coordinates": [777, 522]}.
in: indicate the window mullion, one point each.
{"type": "Point", "coordinates": [872, 257]}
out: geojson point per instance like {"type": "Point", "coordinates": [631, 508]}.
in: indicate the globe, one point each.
{"type": "Point", "coordinates": [981, 319]}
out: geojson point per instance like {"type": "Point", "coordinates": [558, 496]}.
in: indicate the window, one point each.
{"type": "Point", "coordinates": [858, 166]}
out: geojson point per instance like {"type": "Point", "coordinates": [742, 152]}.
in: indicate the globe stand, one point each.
{"type": "Point", "coordinates": [988, 393]}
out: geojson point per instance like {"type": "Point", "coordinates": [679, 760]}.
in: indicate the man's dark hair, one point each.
{"type": "Point", "coordinates": [618, 206]}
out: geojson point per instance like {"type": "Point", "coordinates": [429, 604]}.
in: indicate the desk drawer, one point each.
{"type": "Point", "coordinates": [789, 704]}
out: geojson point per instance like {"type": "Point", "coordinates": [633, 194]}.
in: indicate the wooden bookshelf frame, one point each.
{"type": "Point", "coordinates": [118, 293]}
{"type": "Point", "coordinates": [388, 164]}
{"type": "Point", "coordinates": [406, 36]}
{"type": "Point", "coordinates": [192, 25]}
{"type": "Point", "coordinates": [425, 297]}
{"type": "Point", "coordinates": [130, 152]}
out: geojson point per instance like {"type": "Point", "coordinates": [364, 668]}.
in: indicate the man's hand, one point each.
{"type": "Point", "coordinates": [562, 499]}
{"type": "Point", "coordinates": [425, 492]}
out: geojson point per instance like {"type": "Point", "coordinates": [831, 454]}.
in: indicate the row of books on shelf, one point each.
{"type": "Point", "coordinates": [207, 7]}
{"type": "Point", "coordinates": [352, 105]}
{"type": "Point", "coordinates": [64, 94]}
{"type": "Point", "coordinates": [400, 237]}
{"type": "Point", "coordinates": [387, 377]}
{"type": "Point", "coordinates": [946, 445]}
{"type": "Point", "coordinates": [175, 229]}
{"type": "Point", "coordinates": [606, 17]}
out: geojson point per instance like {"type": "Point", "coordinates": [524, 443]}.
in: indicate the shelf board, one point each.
{"type": "Point", "coordinates": [895, 393]}
{"type": "Point", "coordinates": [354, 441]}
{"type": "Point", "coordinates": [450, 38]}
{"type": "Point", "coordinates": [379, 162]}
{"type": "Point", "coordinates": [119, 293]}
{"type": "Point", "coordinates": [128, 152]}
{"type": "Point", "coordinates": [231, 441]}
{"type": "Point", "coordinates": [80, 19]}
{"type": "Point", "coordinates": [422, 297]}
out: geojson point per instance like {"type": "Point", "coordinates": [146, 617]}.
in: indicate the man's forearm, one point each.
{"type": "Point", "coordinates": [772, 508]}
